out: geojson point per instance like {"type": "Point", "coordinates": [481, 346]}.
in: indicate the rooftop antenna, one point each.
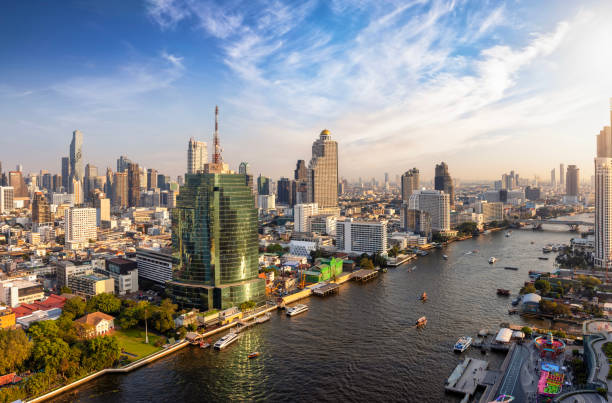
{"type": "Point", "coordinates": [217, 155]}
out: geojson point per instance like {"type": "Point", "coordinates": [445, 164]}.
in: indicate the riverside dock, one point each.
{"type": "Point", "coordinates": [327, 289]}
{"type": "Point", "coordinates": [468, 376]}
{"type": "Point", "coordinates": [364, 275]}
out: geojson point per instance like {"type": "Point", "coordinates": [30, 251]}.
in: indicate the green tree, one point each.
{"type": "Point", "coordinates": [48, 353]}
{"type": "Point", "coordinates": [65, 290]}
{"type": "Point", "coordinates": [527, 330]}
{"type": "Point", "coordinates": [15, 348]}
{"type": "Point", "coordinates": [106, 303]}
{"type": "Point", "coordinates": [543, 285]}
{"type": "Point", "coordinates": [275, 248]}
{"type": "Point", "coordinates": [528, 289]}
{"type": "Point", "coordinates": [162, 316]}
{"type": "Point", "coordinates": [394, 251]}
{"type": "Point", "coordinates": [467, 227]}
{"type": "Point", "coordinates": [100, 352]}
{"type": "Point", "coordinates": [548, 306]}
{"type": "Point", "coordinates": [192, 327]}
{"type": "Point", "coordinates": [76, 306]}
{"type": "Point", "coordinates": [366, 263]}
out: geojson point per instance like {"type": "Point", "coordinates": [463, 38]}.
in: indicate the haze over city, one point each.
{"type": "Point", "coordinates": [484, 86]}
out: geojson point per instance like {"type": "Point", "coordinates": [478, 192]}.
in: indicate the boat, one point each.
{"type": "Point", "coordinates": [444, 257]}
{"type": "Point", "coordinates": [492, 260]}
{"type": "Point", "coordinates": [263, 318]}
{"type": "Point", "coordinates": [483, 332]}
{"type": "Point", "coordinates": [254, 354]}
{"type": "Point", "coordinates": [463, 344]}
{"type": "Point", "coordinates": [295, 310]}
{"type": "Point", "coordinates": [516, 301]}
{"type": "Point", "coordinates": [542, 258]}
{"type": "Point", "coordinates": [547, 249]}
{"type": "Point", "coordinates": [508, 234]}
{"type": "Point", "coordinates": [511, 268]}
{"type": "Point", "coordinates": [204, 344]}
{"type": "Point", "coordinates": [532, 242]}
{"type": "Point", "coordinates": [226, 341]}
{"type": "Point", "coordinates": [424, 296]}
{"type": "Point", "coordinates": [503, 291]}
{"type": "Point", "coordinates": [475, 251]}
{"type": "Point", "coordinates": [420, 322]}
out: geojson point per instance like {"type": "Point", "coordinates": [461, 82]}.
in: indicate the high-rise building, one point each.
{"type": "Point", "coordinates": [197, 156]}
{"type": "Point", "coordinates": [301, 213]}
{"type": "Point", "coordinates": [323, 172]}
{"type": "Point", "coordinates": [410, 183]}
{"type": "Point", "coordinates": [553, 180]}
{"type": "Point", "coordinates": [301, 171]}
{"type": "Point", "coordinates": [89, 181]}
{"type": "Point", "coordinates": [561, 174]}
{"type": "Point", "coordinates": [285, 193]}
{"type": "Point", "coordinates": [102, 206]}
{"type": "Point", "coordinates": [120, 190]}
{"type": "Point", "coordinates": [66, 173]}
{"type": "Point", "coordinates": [151, 179]}
{"type": "Point", "coordinates": [434, 202]}
{"type": "Point", "coordinates": [6, 199]}
{"type": "Point", "coordinates": [80, 227]}
{"type": "Point", "coordinates": [41, 214]}
{"type": "Point", "coordinates": [18, 184]}
{"type": "Point", "coordinates": [263, 185]}
{"type": "Point", "coordinates": [76, 156]}
{"type": "Point", "coordinates": [214, 239]}
{"type": "Point", "coordinates": [603, 198]}
{"type": "Point", "coordinates": [444, 182]}
{"type": "Point", "coordinates": [572, 181]}
{"type": "Point", "coordinates": [532, 193]}
{"type": "Point", "coordinates": [122, 163]}
{"type": "Point", "coordinates": [361, 236]}
{"type": "Point", "coordinates": [416, 221]}
{"type": "Point", "coordinates": [133, 177]}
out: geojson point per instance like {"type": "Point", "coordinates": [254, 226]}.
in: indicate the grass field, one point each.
{"type": "Point", "coordinates": [132, 341]}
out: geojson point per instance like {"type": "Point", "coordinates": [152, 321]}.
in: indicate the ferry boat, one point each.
{"type": "Point", "coordinates": [226, 341]}
{"type": "Point", "coordinates": [295, 310]}
{"type": "Point", "coordinates": [264, 318]}
{"type": "Point", "coordinates": [502, 291]}
{"type": "Point", "coordinates": [463, 344]}
{"type": "Point", "coordinates": [444, 257]}
{"type": "Point", "coordinates": [420, 322]}
{"type": "Point", "coordinates": [492, 260]}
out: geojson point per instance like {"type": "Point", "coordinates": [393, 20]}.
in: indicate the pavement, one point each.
{"type": "Point", "coordinates": [604, 368]}
{"type": "Point", "coordinates": [511, 384]}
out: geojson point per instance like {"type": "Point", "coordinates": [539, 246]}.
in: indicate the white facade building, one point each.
{"type": "Point", "coordinates": [80, 226]}
{"type": "Point", "coordinates": [197, 156]}
{"type": "Point", "coordinates": [266, 202]}
{"type": "Point", "coordinates": [7, 203]}
{"type": "Point", "coordinates": [603, 212]}
{"type": "Point", "coordinates": [361, 236]}
{"type": "Point", "coordinates": [154, 265]}
{"type": "Point", "coordinates": [434, 202]}
{"type": "Point", "coordinates": [301, 213]}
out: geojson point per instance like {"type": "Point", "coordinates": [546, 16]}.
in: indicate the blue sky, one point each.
{"type": "Point", "coordinates": [487, 86]}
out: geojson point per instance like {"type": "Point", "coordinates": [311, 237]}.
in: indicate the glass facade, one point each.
{"type": "Point", "coordinates": [215, 244]}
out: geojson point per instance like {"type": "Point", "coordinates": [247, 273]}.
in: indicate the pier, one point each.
{"type": "Point", "coordinates": [468, 376]}
{"type": "Point", "coordinates": [364, 275]}
{"type": "Point", "coordinates": [327, 289]}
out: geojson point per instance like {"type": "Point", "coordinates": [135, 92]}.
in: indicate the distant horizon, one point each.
{"type": "Point", "coordinates": [487, 88]}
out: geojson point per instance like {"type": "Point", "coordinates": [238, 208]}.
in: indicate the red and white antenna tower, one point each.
{"type": "Point", "coordinates": [217, 154]}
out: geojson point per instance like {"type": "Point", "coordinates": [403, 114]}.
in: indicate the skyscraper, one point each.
{"type": "Point", "coordinates": [284, 190]}
{"type": "Point", "coordinates": [17, 183]}
{"type": "Point", "coordinates": [40, 211]}
{"type": "Point", "coordinates": [66, 173]}
{"type": "Point", "coordinates": [263, 185]}
{"type": "Point", "coordinates": [133, 177]}
{"type": "Point", "coordinates": [572, 180]}
{"type": "Point", "coordinates": [197, 156]}
{"type": "Point", "coordinates": [323, 173]}
{"type": "Point", "coordinates": [603, 198]}
{"type": "Point", "coordinates": [444, 182]}
{"type": "Point", "coordinates": [120, 190]}
{"type": "Point", "coordinates": [151, 179]}
{"type": "Point", "coordinates": [214, 240]}
{"type": "Point", "coordinates": [410, 183]}
{"type": "Point", "coordinates": [122, 163]}
{"type": "Point", "coordinates": [76, 157]}
{"type": "Point", "coordinates": [7, 203]}
{"type": "Point", "coordinates": [434, 202]}
{"type": "Point", "coordinates": [301, 171]}
{"type": "Point", "coordinates": [561, 174]}
{"type": "Point", "coordinates": [553, 180]}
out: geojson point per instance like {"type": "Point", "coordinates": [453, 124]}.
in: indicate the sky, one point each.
{"type": "Point", "coordinates": [487, 86]}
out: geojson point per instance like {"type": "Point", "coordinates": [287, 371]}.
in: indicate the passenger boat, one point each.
{"type": "Point", "coordinates": [420, 322]}
{"type": "Point", "coordinates": [511, 268]}
{"type": "Point", "coordinates": [263, 318]}
{"type": "Point", "coordinates": [295, 310]}
{"type": "Point", "coordinates": [547, 249]}
{"type": "Point", "coordinates": [516, 301]}
{"type": "Point", "coordinates": [226, 341]}
{"type": "Point", "coordinates": [254, 354]}
{"type": "Point", "coordinates": [502, 291]}
{"type": "Point", "coordinates": [444, 257]}
{"type": "Point", "coordinates": [543, 258]}
{"type": "Point", "coordinates": [424, 297]}
{"type": "Point", "coordinates": [492, 260]}
{"type": "Point", "coordinates": [463, 344]}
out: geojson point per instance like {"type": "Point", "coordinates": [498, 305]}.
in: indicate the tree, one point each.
{"type": "Point", "coordinates": [548, 306]}
{"type": "Point", "coordinates": [275, 248]}
{"type": "Point", "coordinates": [15, 348]}
{"type": "Point", "coordinates": [467, 227]}
{"type": "Point", "coordinates": [162, 316]}
{"type": "Point", "coordinates": [65, 290]}
{"type": "Point", "coordinates": [527, 330]}
{"type": "Point", "coordinates": [543, 286]}
{"type": "Point", "coordinates": [48, 353]}
{"type": "Point", "coordinates": [76, 306]}
{"type": "Point", "coordinates": [245, 306]}
{"type": "Point", "coordinates": [105, 302]}
{"type": "Point", "coordinates": [192, 327]}
{"type": "Point", "coordinates": [528, 289]}
{"type": "Point", "coordinates": [315, 254]}
{"type": "Point", "coordinates": [394, 251]}
{"type": "Point", "coordinates": [366, 263]}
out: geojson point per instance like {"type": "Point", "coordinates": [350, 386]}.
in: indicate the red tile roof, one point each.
{"type": "Point", "coordinates": [94, 318]}
{"type": "Point", "coordinates": [53, 301]}
{"type": "Point", "coordinates": [9, 379]}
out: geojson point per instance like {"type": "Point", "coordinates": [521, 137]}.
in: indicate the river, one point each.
{"type": "Point", "coordinates": [360, 345]}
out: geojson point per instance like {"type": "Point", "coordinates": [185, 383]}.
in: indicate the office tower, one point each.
{"type": "Point", "coordinates": [120, 190]}
{"type": "Point", "coordinates": [553, 180]}
{"type": "Point", "coordinates": [341, 188]}
{"type": "Point", "coordinates": [19, 168]}
{"type": "Point", "coordinates": [301, 171]}
{"type": "Point", "coordinates": [133, 177]}
{"type": "Point", "coordinates": [214, 240]}
{"type": "Point", "coordinates": [323, 172]}
{"type": "Point", "coordinates": [77, 191]}
{"type": "Point", "coordinates": [603, 198]}
{"type": "Point", "coordinates": [301, 214]}
{"type": "Point", "coordinates": [76, 156]}
{"type": "Point", "coordinates": [386, 177]}
{"type": "Point", "coordinates": [434, 202]}
{"type": "Point", "coordinates": [532, 193]}
{"type": "Point", "coordinates": [361, 236]}
{"type": "Point", "coordinates": [7, 194]}
{"type": "Point", "coordinates": [572, 180]}
{"type": "Point", "coordinates": [102, 206]}
{"type": "Point", "coordinates": [161, 181]}
{"type": "Point", "coordinates": [41, 214]}
{"type": "Point", "coordinates": [66, 173]}
{"type": "Point", "coordinates": [416, 221]}
{"type": "Point", "coordinates": [284, 191]}
{"type": "Point", "coordinates": [243, 168]}
{"type": "Point", "coordinates": [561, 174]}
{"type": "Point", "coordinates": [122, 163]}
{"type": "Point", "coordinates": [444, 182]}
{"type": "Point", "coordinates": [409, 183]}
{"type": "Point", "coordinates": [79, 226]}
{"type": "Point", "coordinates": [151, 179]}
{"type": "Point", "coordinates": [263, 185]}
{"type": "Point", "coordinates": [17, 183]}
{"type": "Point", "coordinates": [91, 172]}
{"type": "Point", "coordinates": [57, 183]}
{"type": "Point", "coordinates": [197, 156]}
{"type": "Point", "coordinates": [108, 184]}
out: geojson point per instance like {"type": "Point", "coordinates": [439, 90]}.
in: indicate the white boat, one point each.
{"type": "Point", "coordinates": [294, 310]}
{"type": "Point", "coordinates": [508, 234]}
{"type": "Point", "coordinates": [445, 257]}
{"type": "Point", "coordinates": [463, 344]}
{"type": "Point", "coordinates": [492, 260]}
{"type": "Point", "coordinates": [226, 341]}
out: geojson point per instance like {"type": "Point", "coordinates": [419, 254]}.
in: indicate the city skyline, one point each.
{"type": "Point", "coordinates": [147, 97]}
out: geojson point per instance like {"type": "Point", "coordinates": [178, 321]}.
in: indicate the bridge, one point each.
{"type": "Point", "coordinates": [573, 225]}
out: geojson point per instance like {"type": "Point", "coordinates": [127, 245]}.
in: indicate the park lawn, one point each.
{"type": "Point", "coordinates": [132, 341]}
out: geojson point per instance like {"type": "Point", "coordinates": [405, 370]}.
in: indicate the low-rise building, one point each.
{"type": "Point", "coordinates": [91, 284]}
{"type": "Point", "coordinates": [37, 316]}
{"type": "Point", "coordinates": [20, 291]}
{"type": "Point", "coordinates": [99, 324]}
{"type": "Point", "coordinates": [125, 274]}
{"type": "Point", "coordinates": [154, 265]}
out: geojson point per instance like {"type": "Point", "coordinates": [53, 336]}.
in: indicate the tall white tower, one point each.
{"type": "Point", "coordinates": [603, 198]}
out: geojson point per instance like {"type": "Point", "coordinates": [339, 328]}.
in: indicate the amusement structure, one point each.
{"type": "Point", "coordinates": [549, 346]}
